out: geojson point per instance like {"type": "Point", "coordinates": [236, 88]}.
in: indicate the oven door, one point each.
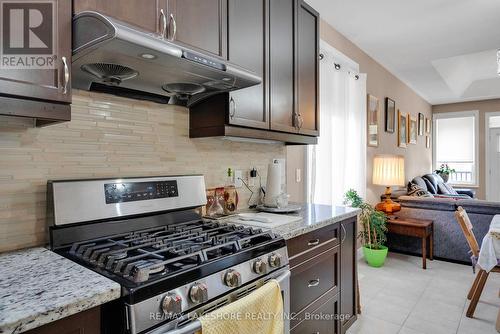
{"type": "Point", "coordinates": [187, 325]}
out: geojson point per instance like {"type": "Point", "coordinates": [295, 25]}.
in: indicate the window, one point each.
{"type": "Point", "coordinates": [456, 144]}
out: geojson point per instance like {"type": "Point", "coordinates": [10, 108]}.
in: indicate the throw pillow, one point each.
{"type": "Point", "coordinates": [446, 189]}
{"type": "Point", "coordinates": [417, 191]}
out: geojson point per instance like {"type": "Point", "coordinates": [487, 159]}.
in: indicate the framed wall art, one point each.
{"type": "Point", "coordinates": [372, 120]}
{"type": "Point", "coordinates": [390, 115]}
{"type": "Point", "coordinates": [428, 125]}
{"type": "Point", "coordinates": [421, 124]}
{"type": "Point", "coordinates": [427, 142]}
{"type": "Point", "coordinates": [402, 129]}
{"type": "Point", "coordinates": [412, 130]}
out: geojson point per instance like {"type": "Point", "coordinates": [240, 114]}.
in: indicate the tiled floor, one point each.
{"type": "Point", "coordinates": [402, 298]}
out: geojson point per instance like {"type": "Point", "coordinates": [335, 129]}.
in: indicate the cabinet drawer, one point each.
{"type": "Point", "coordinates": [312, 278]}
{"type": "Point", "coordinates": [314, 240]}
{"type": "Point", "coordinates": [321, 319]}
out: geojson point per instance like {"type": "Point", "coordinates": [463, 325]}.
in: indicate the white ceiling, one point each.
{"type": "Point", "coordinates": [444, 49]}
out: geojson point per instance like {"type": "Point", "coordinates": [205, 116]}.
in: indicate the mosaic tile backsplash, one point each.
{"type": "Point", "coordinates": [107, 137]}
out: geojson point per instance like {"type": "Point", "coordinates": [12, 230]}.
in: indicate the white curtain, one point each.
{"type": "Point", "coordinates": [338, 162]}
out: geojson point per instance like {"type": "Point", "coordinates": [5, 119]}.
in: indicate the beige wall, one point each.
{"type": "Point", "coordinates": [381, 83]}
{"type": "Point", "coordinates": [483, 107]}
{"type": "Point", "coordinates": [108, 136]}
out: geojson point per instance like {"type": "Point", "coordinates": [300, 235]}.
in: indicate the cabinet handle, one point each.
{"type": "Point", "coordinates": [232, 108]}
{"type": "Point", "coordinates": [174, 26]}
{"type": "Point", "coordinates": [313, 283]}
{"type": "Point", "coordinates": [345, 233]}
{"type": "Point", "coordinates": [300, 121]}
{"type": "Point", "coordinates": [66, 75]}
{"type": "Point", "coordinates": [313, 242]}
{"type": "Point", "coordinates": [163, 24]}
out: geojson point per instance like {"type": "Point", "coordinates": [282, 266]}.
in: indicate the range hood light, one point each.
{"type": "Point", "coordinates": [147, 56]}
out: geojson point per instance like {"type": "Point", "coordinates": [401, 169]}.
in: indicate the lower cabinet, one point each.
{"type": "Point", "coordinates": [320, 317]}
{"type": "Point", "coordinates": [86, 322]}
{"type": "Point", "coordinates": [323, 279]}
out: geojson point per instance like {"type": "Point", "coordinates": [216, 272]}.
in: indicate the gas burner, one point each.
{"type": "Point", "coordinates": [143, 268]}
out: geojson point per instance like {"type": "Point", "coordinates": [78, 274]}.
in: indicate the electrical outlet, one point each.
{"type": "Point", "coordinates": [238, 176]}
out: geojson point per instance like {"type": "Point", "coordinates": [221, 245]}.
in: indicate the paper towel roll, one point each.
{"type": "Point", "coordinates": [273, 185]}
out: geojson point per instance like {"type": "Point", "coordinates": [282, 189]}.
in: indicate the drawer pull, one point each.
{"type": "Point", "coordinates": [313, 283]}
{"type": "Point", "coordinates": [313, 242]}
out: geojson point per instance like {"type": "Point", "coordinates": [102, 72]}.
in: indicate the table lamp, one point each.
{"type": "Point", "coordinates": [388, 170]}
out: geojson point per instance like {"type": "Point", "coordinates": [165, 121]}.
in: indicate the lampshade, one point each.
{"type": "Point", "coordinates": [389, 170]}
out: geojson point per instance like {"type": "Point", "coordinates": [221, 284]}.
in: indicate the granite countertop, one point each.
{"type": "Point", "coordinates": [38, 286]}
{"type": "Point", "coordinates": [315, 216]}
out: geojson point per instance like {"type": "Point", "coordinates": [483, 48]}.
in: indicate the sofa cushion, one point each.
{"type": "Point", "coordinates": [479, 206]}
{"type": "Point", "coordinates": [433, 180]}
{"type": "Point", "coordinates": [420, 182]}
{"type": "Point", "coordinates": [443, 204]}
{"type": "Point", "coordinates": [446, 189]}
{"type": "Point", "coordinates": [417, 191]}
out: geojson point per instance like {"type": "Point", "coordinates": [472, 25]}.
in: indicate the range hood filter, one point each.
{"type": "Point", "coordinates": [110, 73]}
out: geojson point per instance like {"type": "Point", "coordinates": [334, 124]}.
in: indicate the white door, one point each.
{"type": "Point", "coordinates": [494, 162]}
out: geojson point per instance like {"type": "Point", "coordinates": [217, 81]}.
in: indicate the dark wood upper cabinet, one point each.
{"type": "Point", "coordinates": [52, 87]}
{"type": "Point", "coordinates": [144, 14]}
{"type": "Point", "coordinates": [247, 47]}
{"type": "Point", "coordinates": [348, 274]}
{"type": "Point", "coordinates": [199, 24]}
{"type": "Point", "coordinates": [307, 53]}
{"type": "Point", "coordinates": [282, 65]}
{"type": "Point", "coordinates": [278, 40]}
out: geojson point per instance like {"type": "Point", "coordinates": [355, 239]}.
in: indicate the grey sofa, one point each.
{"type": "Point", "coordinates": [449, 241]}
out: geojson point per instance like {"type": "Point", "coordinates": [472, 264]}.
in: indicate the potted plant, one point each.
{"type": "Point", "coordinates": [374, 229]}
{"type": "Point", "coordinates": [444, 171]}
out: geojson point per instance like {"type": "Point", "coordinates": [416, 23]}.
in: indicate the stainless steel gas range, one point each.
{"type": "Point", "coordinates": [147, 235]}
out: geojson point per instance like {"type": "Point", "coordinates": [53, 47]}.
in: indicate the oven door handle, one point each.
{"type": "Point", "coordinates": [195, 326]}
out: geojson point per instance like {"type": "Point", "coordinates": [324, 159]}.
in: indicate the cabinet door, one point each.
{"type": "Point", "coordinates": [144, 14]}
{"type": "Point", "coordinates": [348, 277]}
{"type": "Point", "coordinates": [46, 84]}
{"type": "Point", "coordinates": [247, 30]}
{"type": "Point", "coordinates": [281, 65]}
{"type": "Point", "coordinates": [85, 322]}
{"type": "Point", "coordinates": [307, 69]}
{"type": "Point", "coordinates": [199, 24]}
{"type": "Point", "coordinates": [321, 320]}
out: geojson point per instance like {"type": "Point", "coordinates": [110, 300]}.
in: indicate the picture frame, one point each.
{"type": "Point", "coordinates": [428, 125]}
{"type": "Point", "coordinates": [390, 115]}
{"type": "Point", "coordinates": [421, 124]}
{"type": "Point", "coordinates": [402, 129]}
{"type": "Point", "coordinates": [372, 120]}
{"type": "Point", "coordinates": [412, 130]}
{"type": "Point", "coordinates": [427, 142]}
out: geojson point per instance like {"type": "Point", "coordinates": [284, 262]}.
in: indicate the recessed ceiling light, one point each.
{"type": "Point", "coordinates": [147, 56]}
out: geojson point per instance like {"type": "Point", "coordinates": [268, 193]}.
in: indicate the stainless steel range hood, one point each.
{"type": "Point", "coordinates": [113, 57]}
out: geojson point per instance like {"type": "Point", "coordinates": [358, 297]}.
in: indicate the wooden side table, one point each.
{"type": "Point", "coordinates": [419, 228]}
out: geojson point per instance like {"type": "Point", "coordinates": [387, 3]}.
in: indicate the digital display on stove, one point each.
{"type": "Point", "coordinates": [139, 191]}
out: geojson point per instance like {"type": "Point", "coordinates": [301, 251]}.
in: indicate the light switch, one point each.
{"type": "Point", "coordinates": [298, 175]}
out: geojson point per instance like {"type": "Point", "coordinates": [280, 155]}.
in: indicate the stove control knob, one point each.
{"type": "Point", "coordinates": [274, 260]}
{"type": "Point", "coordinates": [171, 304]}
{"type": "Point", "coordinates": [198, 293]}
{"type": "Point", "coordinates": [259, 267]}
{"type": "Point", "coordinates": [232, 278]}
